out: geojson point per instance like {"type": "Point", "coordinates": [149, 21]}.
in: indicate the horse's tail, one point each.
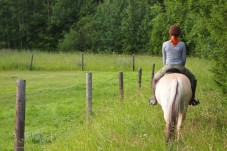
{"type": "Point", "coordinates": [173, 111]}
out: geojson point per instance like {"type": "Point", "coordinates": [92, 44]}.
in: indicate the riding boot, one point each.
{"type": "Point", "coordinates": [194, 101]}
{"type": "Point", "coordinates": [153, 100]}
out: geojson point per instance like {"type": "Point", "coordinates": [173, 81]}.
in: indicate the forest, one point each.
{"type": "Point", "coordinates": [117, 26]}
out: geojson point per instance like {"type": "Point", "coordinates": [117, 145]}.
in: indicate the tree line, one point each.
{"type": "Point", "coordinates": [119, 26]}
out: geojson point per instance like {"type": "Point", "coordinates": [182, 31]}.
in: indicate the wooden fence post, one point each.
{"type": "Point", "coordinates": [133, 62]}
{"type": "Point", "coordinates": [152, 74]}
{"type": "Point", "coordinates": [121, 85]}
{"type": "Point", "coordinates": [82, 61]}
{"type": "Point", "coordinates": [30, 68]}
{"type": "Point", "coordinates": [20, 116]}
{"type": "Point", "coordinates": [89, 94]}
{"type": "Point", "coordinates": [139, 79]}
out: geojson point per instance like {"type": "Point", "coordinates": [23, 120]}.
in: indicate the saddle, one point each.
{"type": "Point", "coordinates": [172, 70]}
{"type": "Point", "coordinates": [169, 71]}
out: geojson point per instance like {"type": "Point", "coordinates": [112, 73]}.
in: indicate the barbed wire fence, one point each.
{"type": "Point", "coordinates": [20, 105]}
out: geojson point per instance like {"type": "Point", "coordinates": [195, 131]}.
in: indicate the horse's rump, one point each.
{"type": "Point", "coordinates": [173, 93]}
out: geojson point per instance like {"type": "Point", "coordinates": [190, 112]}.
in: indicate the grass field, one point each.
{"type": "Point", "coordinates": [56, 105]}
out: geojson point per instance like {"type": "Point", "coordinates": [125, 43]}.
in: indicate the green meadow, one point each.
{"type": "Point", "coordinates": [56, 104]}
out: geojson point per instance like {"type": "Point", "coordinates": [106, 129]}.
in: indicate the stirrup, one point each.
{"type": "Point", "coordinates": [194, 102]}
{"type": "Point", "coordinates": [152, 101]}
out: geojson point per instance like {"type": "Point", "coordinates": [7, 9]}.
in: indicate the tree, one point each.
{"type": "Point", "coordinates": [159, 31]}
{"type": "Point", "coordinates": [218, 29]}
{"type": "Point", "coordinates": [135, 26]}
{"type": "Point", "coordinates": [5, 25]}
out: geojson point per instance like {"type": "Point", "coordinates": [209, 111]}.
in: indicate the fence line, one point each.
{"type": "Point", "coordinates": [7, 97]}
{"type": "Point", "coordinates": [55, 90]}
{"type": "Point", "coordinates": [37, 92]}
{"type": "Point", "coordinates": [82, 62]}
{"type": "Point", "coordinates": [20, 105]}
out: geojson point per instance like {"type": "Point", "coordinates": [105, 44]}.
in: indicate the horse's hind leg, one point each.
{"type": "Point", "coordinates": [170, 132]}
{"type": "Point", "coordinates": [180, 121]}
{"type": "Point", "coordinates": [181, 118]}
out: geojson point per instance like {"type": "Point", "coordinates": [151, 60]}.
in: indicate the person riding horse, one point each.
{"type": "Point", "coordinates": [174, 56]}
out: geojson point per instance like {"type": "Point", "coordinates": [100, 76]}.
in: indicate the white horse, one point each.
{"type": "Point", "coordinates": [173, 93]}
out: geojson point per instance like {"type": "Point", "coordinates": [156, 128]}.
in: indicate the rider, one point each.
{"type": "Point", "coordinates": [174, 56]}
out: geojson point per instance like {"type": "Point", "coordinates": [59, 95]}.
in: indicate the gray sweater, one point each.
{"type": "Point", "coordinates": [174, 55]}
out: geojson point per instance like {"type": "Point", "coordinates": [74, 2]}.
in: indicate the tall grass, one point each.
{"type": "Point", "coordinates": [21, 60]}
{"type": "Point", "coordinates": [56, 113]}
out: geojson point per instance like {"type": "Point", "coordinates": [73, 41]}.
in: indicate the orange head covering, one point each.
{"type": "Point", "coordinates": [174, 40]}
{"type": "Point", "coordinates": [174, 32]}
